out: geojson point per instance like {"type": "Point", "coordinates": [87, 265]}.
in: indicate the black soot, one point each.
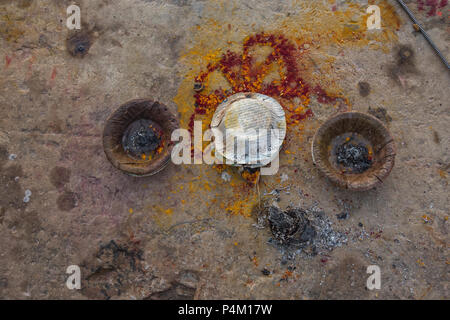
{"type": "Point", "coordinates": [351, 153]}
{"type": "Point", "coordinates": [290, 226]}
{"type": "Point", "coordinates": [353, 157]}
{"type": "Point", "coordinates": [141, 138]}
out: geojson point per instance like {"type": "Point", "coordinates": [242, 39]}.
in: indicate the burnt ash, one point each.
{"type": "Point", "coordinates": [287, 226]}
{"type": "Point", "coordinates": [354, 158]}
{"type": "Point", "coordinates": [308, 232]}
{"type": "Point", "coordinates": [140, 138]}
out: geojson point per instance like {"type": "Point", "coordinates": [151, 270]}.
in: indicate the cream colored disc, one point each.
{"type": "Point", "coordinates": [253, 127]}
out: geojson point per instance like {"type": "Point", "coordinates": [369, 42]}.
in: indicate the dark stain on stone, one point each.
{"type": "Point", "coordinates": [265, 272]}
{"type": "Point", "coordinates": [380, 113]}
{"type": "Point", "coordinates": [114, 269]}
{"type": "Point", "coordinates": [116, 43]}
{"type": "Point", "coordinates": [44, 42]}
{"type": "Point", "coordinates": [11, 193]}
{"type": "Point", "coordinates": [67, 201]}
{"type": "Point", "coordinates": [3, 155]}
{"type": "Point", "coordinates": [404, 63]}
{"type": "Point", "coordinates": [347, 280]}
{"type": "Point", "coordinates": [37, 85]}
{"type": "Point", "coordinates": [364, 88]}
{"type": "Point", "coordinates": [28, 224]}
{"type": "Point", "coordinates": [78, 43]}
{"type": "Point", "coordinates": [176, 292]}
{"type": "Point", "coordinates": [174, 44]}
{"type": "Point", "coordinates": [23, 4]}
{"type": "Point", "coordinates": [59, 176]}
{"type": "Point", "coordinates": [2, 214]}
{"type": "Point", "coordinates": [31, 223]}
{"type": "Point", "coordinates": [113, 254]}
{"type": "Point", "coordinates": [189, 278]}
{"type": "Point", "coordinates": [55, 125]}
{"type": "Point", "coordinates": [20, 3]}
{"type": "Point", "coordinates": [405, 55]}
{"type": "Point", "coordinates": [436, 137]}
{"type": "Point", "coordinates": [3, 283]}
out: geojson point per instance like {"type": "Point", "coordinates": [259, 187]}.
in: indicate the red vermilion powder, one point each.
{"type": "Point", "coordinates": [244, 75]}
{"type": "Point", "coordinates": [433, 5]}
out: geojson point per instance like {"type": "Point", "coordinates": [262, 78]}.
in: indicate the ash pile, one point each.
{"type": "Point", "coordinates": [307, 232]}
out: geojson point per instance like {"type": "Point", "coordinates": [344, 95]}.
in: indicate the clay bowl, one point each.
{"type": "Point", "coordinates": [354, 150]}
{"type": "Point", "coordinates": [136, 137]}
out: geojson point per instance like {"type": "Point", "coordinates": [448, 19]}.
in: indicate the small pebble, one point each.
{"type": "Point", "coordinates": [12, 156]}
{"type": "Point", "coordinates": [26, 199]}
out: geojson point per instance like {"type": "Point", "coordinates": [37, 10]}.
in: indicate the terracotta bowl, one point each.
{"type": "Point", "coordinates": [368, 131]}
{"type": "Point", "coordinates": [118, 124]}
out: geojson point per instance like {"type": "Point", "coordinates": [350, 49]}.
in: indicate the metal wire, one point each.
{"type": "Point", "coordinates": [425, 34]}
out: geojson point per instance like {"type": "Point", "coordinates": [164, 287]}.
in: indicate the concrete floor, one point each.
{"type": "Point", "coordinates": [186, 232]}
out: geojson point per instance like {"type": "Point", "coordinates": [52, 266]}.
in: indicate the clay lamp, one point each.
{"type": "Point", "coordinates": [136, 138]}
{"type": "Point", "coordinates": [354, 150]}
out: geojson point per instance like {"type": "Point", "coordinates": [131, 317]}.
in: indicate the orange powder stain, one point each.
{"type": "Point", "coordinates": [289, 61]}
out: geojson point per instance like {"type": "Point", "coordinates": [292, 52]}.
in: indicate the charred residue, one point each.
{"type": "Point", "coordinates": [136, 137]}
{"type": "Point", "coordinates": [351, 153]}
{"type": "Point", "coordinates": [354, 157]}
{"type": "Point", "coordinates": [300, 231]}
{"type": "Point", "coordinates": [114, 268]}
{"type": "Point", "coordinates": [183, 287]}
{"type": "Point", "coordinates": [141, 138]}
{"type": "Point", "coordinates": [118, 270]}
{"type": "Point", "coordinates": [290, 226]}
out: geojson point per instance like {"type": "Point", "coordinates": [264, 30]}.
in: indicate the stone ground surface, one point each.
{"type": "Point", "coordinates": [182, 233]}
